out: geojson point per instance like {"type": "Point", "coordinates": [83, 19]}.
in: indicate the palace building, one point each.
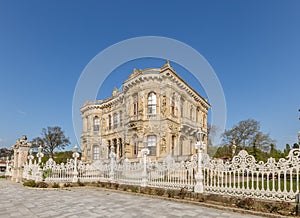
{"type": "Point", "coordinates": [155, 108]}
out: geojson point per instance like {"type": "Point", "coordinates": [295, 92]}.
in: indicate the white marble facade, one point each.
{"type": "Point", "coordinates": [155, 108]}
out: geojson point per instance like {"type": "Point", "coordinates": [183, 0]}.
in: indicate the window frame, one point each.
{"type": "Point", "coordinates": [96, 126]}
{"type": "Point", "coordinates": [151, 144]}
{"type": "Point", "coordinates": [152, 103]}
{"type": "Point", "coordinates": [115, 120]}
{"type": "Point", "coordinates": [96, 152]}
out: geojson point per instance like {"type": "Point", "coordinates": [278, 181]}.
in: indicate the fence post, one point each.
{"type": "Point", "coordinates": [200, 146]}
{"type": "Point", "coordinates": [30, 157]}
{"type": "Point", "coordinates": [75, 156]}
{"type": "Point", "coordinates": [28, 168]}
{"type": "Point", "coordinates": [112, 156]}
{"type": "Point", "coordinates": [40, 154]}
{"type": "Point", "coordinates": [145, 152]}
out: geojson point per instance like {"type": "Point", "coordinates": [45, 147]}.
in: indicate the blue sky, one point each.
{"type": "Point", "coordinates": [253, 46]}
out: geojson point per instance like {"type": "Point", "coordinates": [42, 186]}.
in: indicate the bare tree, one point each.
{"type": "Point", "coordinates": [52, 138]}
{"type": "Point", "coordinates": [263, 141]}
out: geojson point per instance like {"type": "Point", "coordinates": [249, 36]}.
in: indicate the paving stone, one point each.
{"type": "Point", "coordinates": [19, 201]}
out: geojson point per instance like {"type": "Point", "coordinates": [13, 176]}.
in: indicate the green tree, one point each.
{"type": "Point", "coordinates": [295, 145]}
{"type": "Point", "coordinates": [52, 138]}
{"type": "Point", "coordinates": [223, 152]}
{"type": "Point", "coordinates": [247, 133]}
{"type": "Point", "coordinates": [275, 153]}
{"type": "Point", "coordinates": [62, 156]}
{"type": "Point", "coordinates": [287, 149]}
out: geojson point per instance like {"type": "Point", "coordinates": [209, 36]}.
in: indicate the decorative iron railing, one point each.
{"type": "Point", "coordinates": [242, 176]}
{"type": "Point", "coordinates": [246, 177]}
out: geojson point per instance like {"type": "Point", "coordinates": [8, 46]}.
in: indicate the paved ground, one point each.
{"type": "Point", "coordinates": [19, 201]}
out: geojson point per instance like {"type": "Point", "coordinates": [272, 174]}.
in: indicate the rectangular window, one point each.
{"type": "Point", "coordinates": [135, 104]}
{"type": "Point", "coordinates": [151, 142]}
{"type": "Point", "coordinates": [96, 152]}
{"type": "Point", "coordinates": [173, 145]}
{"type": "Point", "coordinates": [115, 116]}
{"type": "Point", "coordinates": [135, 145]}
{"type": "Point", "coordinates": [109, 121]}
{"type": "Point", "coordinates": [96, 124]}
{"type": "Point", "coordinates": [121, 118]}
{"type": "Point", "coordinates": [181, 108]}
{"type": "Point", "coordinates": [173, 106]}
{"type": "Point", "coordinates": [191, 113]}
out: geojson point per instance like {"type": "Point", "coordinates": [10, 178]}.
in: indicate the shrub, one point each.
{"type": "Point", "coordinates": [46, 173]}
{"type": "Point", "coordinates": [2, 177]}
{"type": "Point", "coordinates": [42, 185]}
{"type": "Point", "coordinates": [171, 193]}
{"type": "Point", "coordinates": [115, 185]}
{"type": "Point", "coordinates": [101, 184]}
{"type": "Point", "coordinates": [159, 191]}
{"type": "Point", "coordinates": [183, 192]}
{"type": "Point", "coordinates": [246, 203]}
{"type": "Point", "coordinates": [30, 183]}
{"type": "Point", "coordinates": [68, 184]}
{"type": "Point", "coordinates": [80, 183]}
{"type": "Point", "coordinates": [133, 188]}
{"type": "Point", "coordinates": [55, 185]}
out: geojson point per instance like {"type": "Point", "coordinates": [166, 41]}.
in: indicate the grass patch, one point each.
{"type": "Point", "coordinates": [30, 183]}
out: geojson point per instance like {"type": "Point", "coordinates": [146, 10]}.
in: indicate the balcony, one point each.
{"type": "Point", "coordinates": [190, 123]}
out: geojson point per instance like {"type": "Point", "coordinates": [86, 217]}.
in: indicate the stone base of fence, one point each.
{"type": "Point", "coordinates": [253, 206]}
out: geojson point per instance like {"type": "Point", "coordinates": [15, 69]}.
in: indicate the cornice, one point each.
{"type": "Point", "coordinates": [174, 77]}
{"type": "Point", "coordinates": [101, 104]}
{"type": "Point", "coordinates": [141, 76]}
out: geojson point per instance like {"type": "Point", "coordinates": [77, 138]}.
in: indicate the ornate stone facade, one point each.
{"type": "Point", "coordinates": [155, 108]}
{"type": "Point", "coordinates": [20, 157]}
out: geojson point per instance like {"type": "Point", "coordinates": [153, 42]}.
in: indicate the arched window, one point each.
{"type": "Point", "coordinates": [152, 103]}
{"type": "Point", "coordinates": [115, 116]}
{"type": "Point", "coordinates": [96, 152]}
{"type": "Point", "coordinates": [151, 143]}
{"type": "Point", "coordinates": [96, 123]}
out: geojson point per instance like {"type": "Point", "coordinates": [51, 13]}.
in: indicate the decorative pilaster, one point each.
{"type": "Point", "coordinates": [200, 146]}
{"type": "Point", "coordinates": [40, 154]}
{"type": "Point", "coordinates": [30, 157]}
{"type": "Point", "coordinates": [145, 152]}
{"type": "Point", "coordinates": [75, 156]}
{"type": "Point", "coordinates": [112, 156]}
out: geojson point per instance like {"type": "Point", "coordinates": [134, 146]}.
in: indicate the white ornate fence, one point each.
{"type": "Point", "coordinates": [167, 174]}
{"type": "Point", "coordinates": [243, 176]}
